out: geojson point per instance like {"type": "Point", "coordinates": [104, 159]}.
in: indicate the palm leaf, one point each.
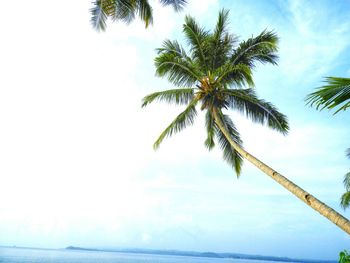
{"type": "Point", "coordinates": [258, 110]}
{"type": "Point", "coordinates": [181, 121]}
{"type": "Point", "coordinates": [177, 96]}
{"type": "Point", "coordinates": [220, 42]}
{"type": "Point", "coordinates": [346, 181]}
{"type": "Point", "coordinates": [238, 75]}
{"type": "Point", "coordinates": [98, 16]}
{"type": "Point", "coordinates": [173, 47]}
{"type": "Point", "coordinates": [125, 10]}
{"type": "Point", "coordinates": [196, 37]}
{"type": "Point", "coordinates": [231, 156]}
{"type": "Point", "coordinates": [145, 12]}
{"type": "Point", "coordinates": [348, 152]}
{"type": "Point", "coordinates": [179, 70]}
{"type": "Point", "coordinates": [261, 48]}
{"type": "Point", "coordinates": [210, 127]}
{"type": "Point", "coordinates": [345, 200]}
{"type": "Point", "coordinates": [336, 93]}
{"type": "Point", "coordinates": [178, 5]}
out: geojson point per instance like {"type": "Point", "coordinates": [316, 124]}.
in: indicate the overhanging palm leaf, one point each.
{"type": "Point", "coordinates": [126, 10]}
{"type": "Point", "coordinates": [178, 5]}
{"type": "Point", "coordinates": [336, 93]}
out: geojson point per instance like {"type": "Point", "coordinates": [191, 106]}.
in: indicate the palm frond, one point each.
{"type": "Point", "coordinates": [345, 200]}
{"type": "Point", "coordinates": [181, 71]}
{"type": "Point", "coordinates": [145, 12]}
{"type": "Point", "coordinates": [258, 110]}
{"type": "Point", "coordinates": [210, 127]}
{"type": "Point", "coordinates": [220, 42]}
{"type": "Point", "coordinates": [173, 47]}
{"type": "Point", "coordinates": [124, 10]}
{"type": "Point", "coordinates": [348, 152]}
{"type": "Point", "coordinates": [336, 93]}
{"type": "Point", "coordinates": [346, 181]}
{"type": "Point", "coordinates": [196, 37]}
{"type": "Point", "coordinates": [178, 5]}
{"type": "Point", "coordinates": [183, 120]}
{"type": "Point", "coordinates": [98, 15]}
{"type": "Point", "coordinates": [261, 48]}
{"type": "Point", "coordinates": [238, 75]}
{"type": "Point", "coordinates": [177, 96]}
{"type": "Point", "coordinates": [231, 156]}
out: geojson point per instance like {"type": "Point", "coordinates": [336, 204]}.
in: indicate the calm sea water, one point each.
{"type": "Point", "coordinates": [24, 255]}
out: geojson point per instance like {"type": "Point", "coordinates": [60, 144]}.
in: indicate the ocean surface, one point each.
{"type": "Point", "coordinates": [28, 255]}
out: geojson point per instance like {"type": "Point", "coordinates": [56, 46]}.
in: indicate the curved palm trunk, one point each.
{"type": "Point", "coordinates": [307, 198]}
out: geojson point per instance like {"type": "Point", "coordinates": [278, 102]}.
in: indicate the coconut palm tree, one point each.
{"type": "Point", "coordinates": [126, 10]}
{"type": "Point", "coordinates": [215, 74]}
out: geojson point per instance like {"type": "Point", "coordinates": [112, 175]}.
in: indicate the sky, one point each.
{"type": "Point", "coordinates": [77, 165]}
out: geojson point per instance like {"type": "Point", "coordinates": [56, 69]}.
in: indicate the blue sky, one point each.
{"type": "Point", "coordinates": [76, 160]}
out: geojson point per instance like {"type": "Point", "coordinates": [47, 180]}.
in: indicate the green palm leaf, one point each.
{"type": "Point", "coordinates": [336, 93]}
{"type": "Point", "coordinates": [345, 200]}
{"type": "Point", "coordinates": [196, 37]}
{"type": "Point", "coordinates": [220, 42]}
{"type": "Point", "coordinates": [181, 121]}
{"type": "Point", "coordinates": [99, 15]}
{"type": "Point", "coordinates": [346, 181]}
{"type": "Point", "coordinates": [126, 10]}
{"type": "Point", "coordinates": [177, 96]}
{"type": "Point", "coordinates": [145, 12]}
{"type": "Point", "coordinates": [174, 48]}
{"type": "Point", "coordinates": [237, 75]}
{"type": "Point", "coordinates": [231, 156]}
{"type": "Point", "coordinates": [178, 5]}
{"type": "Point", "coordinates": [180, 71]}
{"type": "Point", "coordinates": [258, 110]}
{"type": "Point", "coordinates": [261, 49]}
{"type": "Point", "coordinates": [210, 126]}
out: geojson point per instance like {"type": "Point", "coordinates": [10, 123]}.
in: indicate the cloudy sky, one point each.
{"type": "Point", "coordinates": [76, 160]}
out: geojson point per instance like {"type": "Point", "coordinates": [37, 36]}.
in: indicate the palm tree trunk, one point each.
{"type": "Point", "coordinates": [307, 198]}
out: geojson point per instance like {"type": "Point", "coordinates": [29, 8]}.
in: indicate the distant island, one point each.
{"type": "Point", "coordinates": [203, 254]}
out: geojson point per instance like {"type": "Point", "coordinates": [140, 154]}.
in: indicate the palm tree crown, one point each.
{"type": "Point", "coordinates": [213, 74]}
{"type": "Point", "coordinates": [126, 10]}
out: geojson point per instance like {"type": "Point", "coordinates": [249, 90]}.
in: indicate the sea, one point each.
{"type": "Point", "coordinates": [29, 255]}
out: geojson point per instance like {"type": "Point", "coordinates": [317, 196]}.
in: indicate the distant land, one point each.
{"type": "Point", "coordinates": [203, 254]}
